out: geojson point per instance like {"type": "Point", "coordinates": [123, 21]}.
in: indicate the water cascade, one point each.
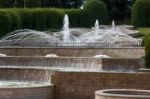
{"type": "Point", "coordinates": [51, 55]}
{"type": "Point", "coordinates": [3, 55]}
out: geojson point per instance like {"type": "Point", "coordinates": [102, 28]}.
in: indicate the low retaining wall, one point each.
{"type": "Point", "coordinates": [122, 64]}
{"type": "Point", "coordinates": [82, 85]}
{"type": "Point", "coordinates": [135, 52]}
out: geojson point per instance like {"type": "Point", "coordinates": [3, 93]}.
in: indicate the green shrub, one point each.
{"type": "Point", "coordinates": [96, 9]}
{"type": "Point", "coordinates": [147, 51]}
{"type": "Point", "coordinates": [5, 22]}
{"type": "Point", "coordinates": [140, 15]}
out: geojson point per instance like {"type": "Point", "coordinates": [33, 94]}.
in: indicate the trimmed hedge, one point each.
{"type": "Point", "coordinates": [15, 22]}
{"type": "Point", "coordinates": [51, 18]}
{"type": "Point", "coordinates": [5, 23]}
{"type": "Point", "coordinates": [141, 13]}
{"type": "Point", "coordinates": [147, 51]}
{"type": "Point", "coordinates": [41, 19]}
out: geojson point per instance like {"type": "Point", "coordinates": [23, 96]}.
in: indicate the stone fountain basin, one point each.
{"type": "Point", "coordinates": [122, 94]}
{"type": "Point", "coordinates": [44, 91]}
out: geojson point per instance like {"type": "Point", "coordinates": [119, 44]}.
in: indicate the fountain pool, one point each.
{"type": "Point", "coordinates": [19, 83]}
{"type": "Point", "coordinates": [122, 94]}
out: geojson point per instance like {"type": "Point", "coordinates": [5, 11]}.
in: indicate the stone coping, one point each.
{"type": "Point", "coordinates": [144, 70]}
{"type": "Point", "coordinates": [67, 70]}
{"type": "Point", "coordinates": [26, 87]}
{"type": "Point", "coordinates": [60, 57]}
{"type": "Point", "coordinates": [16, 47]}
{"type": "Point", "coordinates": [124, 93]}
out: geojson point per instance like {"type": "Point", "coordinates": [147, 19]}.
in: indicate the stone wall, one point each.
{"type": "Point", "coordinates": [45, 92]}
{"type": "Point", "coordinates": [76, 52]}
{"type": "Point", "coordinates": [82, 85]}
{"type": "Point", "coordinates": [122, 64]}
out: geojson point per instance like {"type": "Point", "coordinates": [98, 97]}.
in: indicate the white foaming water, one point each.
{"type": "Point", "coordinates": [22, 84]}
{"type": "Point", "coordinates": [51, 55]}
{"type": "Point", "coordinates": [96, 27]}
{"type": "Point", "coordinates": [66, 30]}
{"type": "Point", "coordinates": [3, 55]}
{"type": "Point", "coordinates": [101, 56]}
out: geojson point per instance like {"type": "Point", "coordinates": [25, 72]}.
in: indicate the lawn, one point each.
{"type": "Point", "coordinates": [144, 31]}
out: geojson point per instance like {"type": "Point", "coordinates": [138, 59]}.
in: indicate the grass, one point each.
{"type": "Point", "coordinates": [144, 31]}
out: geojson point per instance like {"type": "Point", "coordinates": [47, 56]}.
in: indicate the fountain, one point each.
{"type": "Point", "coordinates": [97, 56]}
{"type": "Point", "coordinates": [96, 27]}
{"type": "Point", "coordinates": [113, 25]}
{"type": "Point", "coordinates": [122, 94]}
{"type": "Point", "coordinates": [29, 81]}
{"type": "Point", "coordinates": [71, 37]}
{"type": "Point", "coordinates": [66, 30]}
{"type": "Point", "coordinates": [23, 83]}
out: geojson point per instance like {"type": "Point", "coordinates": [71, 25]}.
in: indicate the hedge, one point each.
{"type": "Point", "coordinates": [147, 51]}
{"type": "Point", "coordinates": [5, 23]}
{"type": "Point", "coordinates": [141, 13]}
{"type": "Point", "coordinates": [51, 18]}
